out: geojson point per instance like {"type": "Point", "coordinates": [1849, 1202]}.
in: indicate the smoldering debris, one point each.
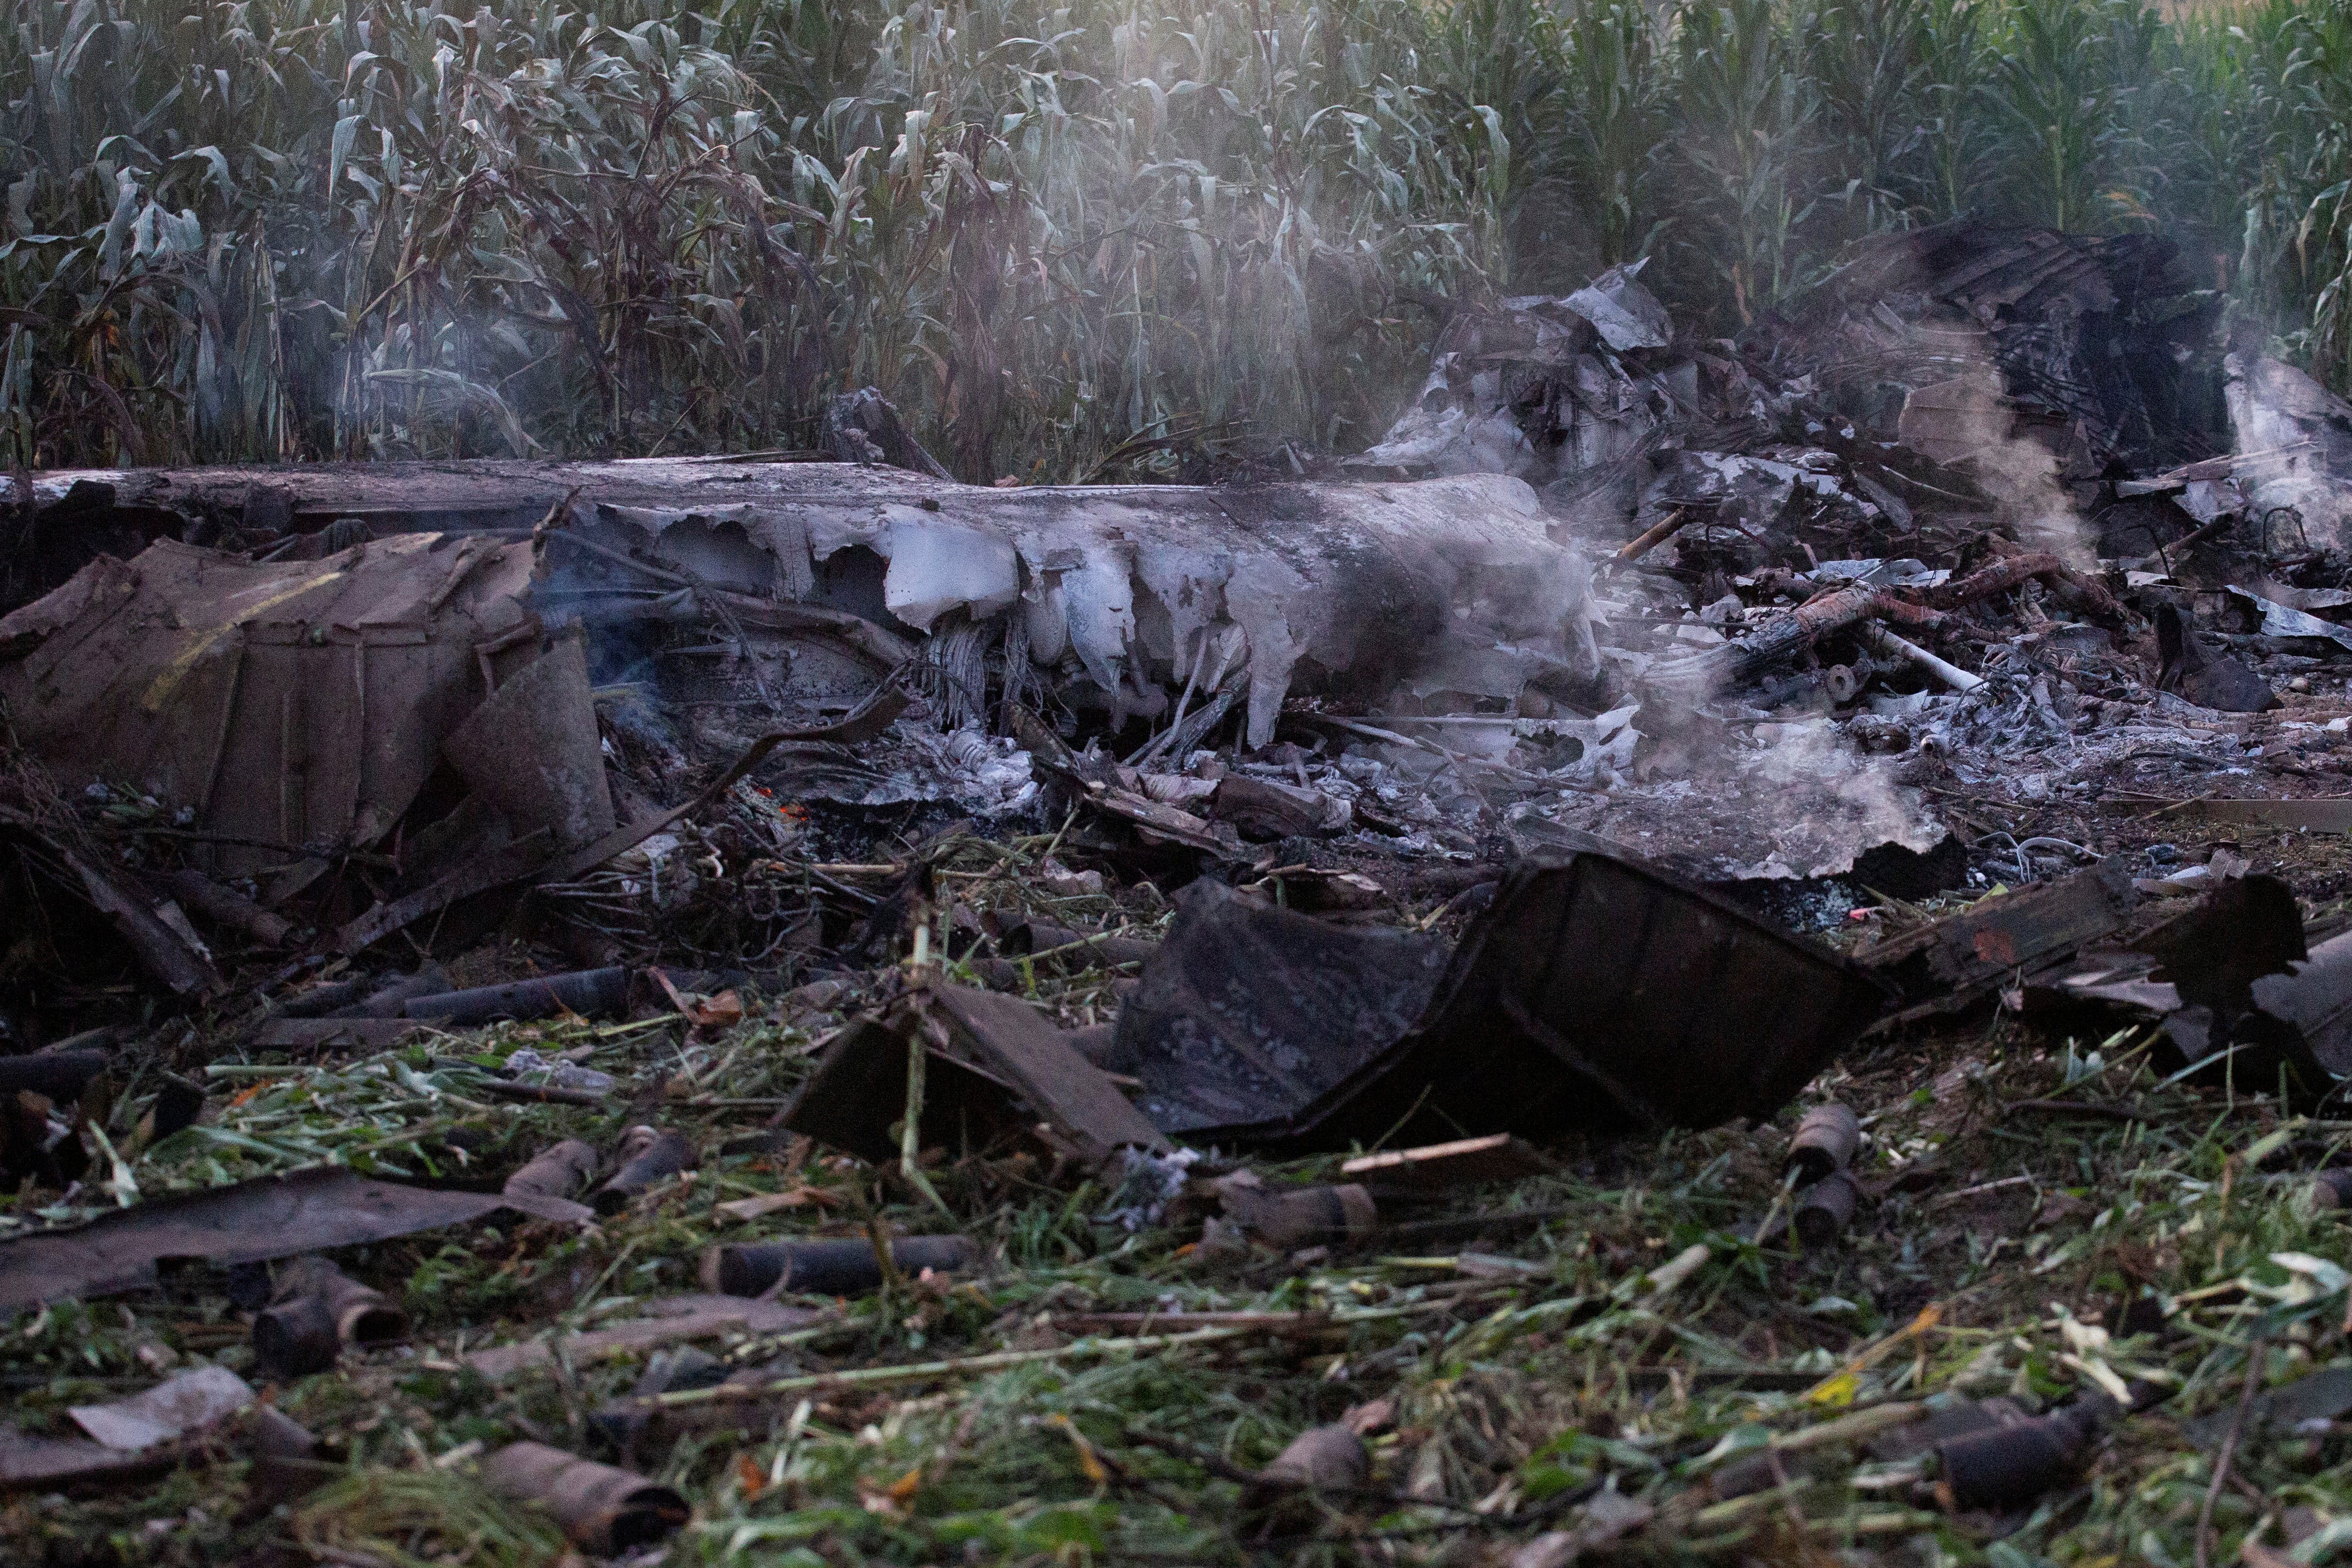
{"type": "Point", "coordinates": [827, 882]}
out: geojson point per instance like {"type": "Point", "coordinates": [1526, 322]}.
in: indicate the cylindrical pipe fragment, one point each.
{"type": "Point", "coordinates": [178, 1104]}
{"type": "Point", "coordinates": [59, 1076]}
{"type": "Point", "coordinates": [545, 1185]}
{"type": "Point", "coordinates": [605, 1509]}
{"type": "Point", "coordinates": [295, 1338]}
{"type": "Point", "coordinates": [391, 999]}
{"type": "Point", "coordinates": [2332, 1188]}
{"type": "Point", "coordinates": [285, 1457]}
{"type": "Point", "coordinates": [1824, 1142]}
{"type": "Point", "coordinates": [2005, 1467]}
{"type": "Point", "coordinates": [1298, 1216]}
{"type": "Point", "coordinates": [1329, 1458]}
{"type": "Point", "coordinates": [322, 1000]}
{"type": "Point", "coordinates": [591, 992]}
{"type": "Point", "coordinates": [227, 908]}
{"type": "Point", "coordinates": [1943, 669]}
{"type": "Point", "coordinates": [1827, 1210]}
{"type": "Point", "coordinates": [316, 1310]}
{"type": "Point", "coordinates": [648, 1154]}
{"type": "Point", "coordinates": [1322, 1458]}
{"type": "Point", "coordinates": [1657, 533]}
{"type": "Point", "coordinates": [847, 1268]}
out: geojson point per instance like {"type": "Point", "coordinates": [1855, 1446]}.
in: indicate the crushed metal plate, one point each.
{"type": "Point", "coordinates": [1595, 993]}
{"type": "Point", "coordinates": [994, 1069]}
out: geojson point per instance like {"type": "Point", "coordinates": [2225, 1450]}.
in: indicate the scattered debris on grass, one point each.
{"type": "Point", "coordinates": [1755, 965]}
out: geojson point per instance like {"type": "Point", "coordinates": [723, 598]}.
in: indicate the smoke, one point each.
{"type": "Point", "coordinates": [1970, 418]}
{"type": "Point", "coordinates": [1819, 803]}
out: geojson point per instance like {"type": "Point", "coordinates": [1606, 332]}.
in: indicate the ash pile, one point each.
{"type": "Point", "coordinates": [1997, 513]}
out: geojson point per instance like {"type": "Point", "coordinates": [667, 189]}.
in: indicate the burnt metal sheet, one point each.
{"type": "Point", "coordinates": [1966, 956]}
{"type": "Point", "coordinates": [1594, 992]}
{"type": "Point", "coordinates": [290, 702]}
{"type": "Point", "coordinates": [995, 1070]}
{"type": "Point", "coordinates": [188, 1403]}
{"type": "Point", "coordinates": [2304, 1014]}
{"type": "Point", "coordinates": [276, 1217]}
{"type": "Point", "coordinates": [533, 752]}
{"type": "Point", "coordinates": [1602, 994]}
{"type": "Point", "coordinates": [2241, 998]}
{"type": "Point", "coordinates": [1248, 1012]}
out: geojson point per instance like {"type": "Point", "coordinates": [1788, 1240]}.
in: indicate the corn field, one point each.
{"type": "Point", "coordinates": [1069, 241]}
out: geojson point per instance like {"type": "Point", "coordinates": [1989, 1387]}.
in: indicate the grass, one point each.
{"type": "Point", "coordinates": [1084, 240]}
{"type": "Point", "coordinates": [1526, 1368]}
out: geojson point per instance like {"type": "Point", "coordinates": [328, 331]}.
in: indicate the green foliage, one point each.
{"type": "Point", "coordinates": [1059, 237]}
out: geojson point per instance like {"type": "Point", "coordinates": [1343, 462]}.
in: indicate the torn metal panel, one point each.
{"type": "Point", "coordinates": [863, 426]}
{"type": "Point", "coordinates": [1154, 821]}
{"type": "Point", "coordinates": [163, 945]}
{"type": "Point", "coordinates": [1133, 592]}
{"type": "Point", "coordinates": [136, 1437]}
{"type": "Point", "coordinates": [30, 1462]}
{"type": "Point", "coordinates": [275, 1217]}
{"type": "Point", "coordinates": [2196, 672]}
{"type": "Point", "coordinates": [2108, 339]}
{"type": "Point", "coordinates": [2293, 438]}
{"type": "Point", "coordinates": [1007, 1040]}
{"type": "Point", "coordinates": [1966, 956]}
{"type": "Point", "coordinates": [1626, 315]}
{"type": "Point", "coordinates": [994, 1069]}
{"type": "Point", "coordinates": [2280, 620]}
{"type": "Point", "coordinates": [1601, 992]}
{"type": "Point", "coordinates": [155, 931]}
{"type": "Point", "coordinates": [1539, 388]}
{"type": "Point", "coordinates": [2225, 979]}
{"type": "Point", "coordinates": [291, 703]}
{"type": "Point", "coordinates": [1593, 992]}
{"type": "Point", "coordinates": [2305, 1015]}
{"type": "Point", "coordinates": [531, 751]}
{"type": "Point", "coordinates": [170, 1409]}
{"type": "Point", "coordinates": [1249, 1012]}
{"type": "Point", "coordinates": [1122, 592]}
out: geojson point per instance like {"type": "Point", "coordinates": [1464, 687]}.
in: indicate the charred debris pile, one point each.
{"type": "Point", "coordinates": [806, 1003]}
